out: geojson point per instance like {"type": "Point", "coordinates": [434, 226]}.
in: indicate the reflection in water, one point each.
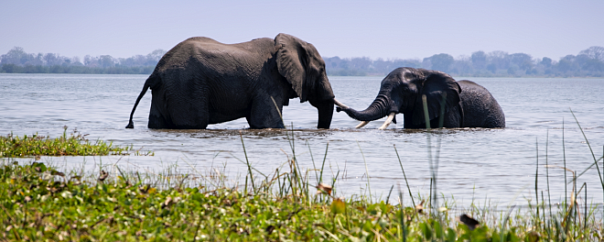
{"type": "Point", "coordinates": [474, 163]}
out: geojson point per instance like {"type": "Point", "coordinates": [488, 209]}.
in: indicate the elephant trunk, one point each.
{"type": "Point", "coordinates": [325, 109]}
{"type": "Point", "coordinates": [378, 109]}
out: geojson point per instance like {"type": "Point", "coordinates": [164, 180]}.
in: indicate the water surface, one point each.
{"type": "Point", "coordinates": [497, 164]}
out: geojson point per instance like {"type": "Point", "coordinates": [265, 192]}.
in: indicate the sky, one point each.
{"type": "Point", "coordinates": [375, 29]}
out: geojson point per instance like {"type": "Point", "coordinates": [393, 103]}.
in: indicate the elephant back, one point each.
{"type": "Point", "coordinates": [480, 107]}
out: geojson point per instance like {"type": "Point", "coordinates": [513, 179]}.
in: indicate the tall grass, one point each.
{"type": "Point", "coordinates": [43, 203]}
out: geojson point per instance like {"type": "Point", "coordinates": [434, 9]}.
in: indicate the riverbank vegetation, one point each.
{"type": "Point", "coordinates": [41, 202]}
{"type": "Point", "coordinates": [19, 61]}
{"type": "Point", "coordinates": [587, 63]}
{"type": "Point", "coordinates": [74, 144]}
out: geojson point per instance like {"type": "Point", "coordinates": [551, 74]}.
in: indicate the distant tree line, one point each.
{"type": "Point", "coordinates": [18, 61]}
{"type": "Point", "coordinates": [587, 63]}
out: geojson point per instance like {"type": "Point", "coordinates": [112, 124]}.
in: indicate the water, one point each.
{"type": "Point", "coordinates": [494, 164]}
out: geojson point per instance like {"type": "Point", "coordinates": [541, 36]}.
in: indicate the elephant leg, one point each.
{"type": "Point", "coordinates": [190, 114]}
{"type": "Point", "coordinates": [156, 120]}
{"type": "Point", "coordinates": [264, 114]}
{"type": "Point", "coordinates": [191, 118]}
{"type": "Point", "coordinates": [188, 104]}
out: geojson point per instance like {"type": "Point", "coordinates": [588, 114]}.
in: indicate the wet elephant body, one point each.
{"type": "Point", "coordinates": [202, 81]}
{"type": "Point", "coordinates": [480, 109]}
{"type": "Point", "coordinates": [465, 103]}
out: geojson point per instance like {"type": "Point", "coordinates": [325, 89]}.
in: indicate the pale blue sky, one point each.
{"type": "Point", "coordinates": [386, 29]}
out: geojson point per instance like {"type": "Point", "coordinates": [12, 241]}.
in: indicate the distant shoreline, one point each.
{"type": "Point", "coordinates": [135, 71]}
{"type": "Point", "coordinates": [588, 63]}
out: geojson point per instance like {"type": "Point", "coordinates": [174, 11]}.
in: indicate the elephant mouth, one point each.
{"type": "Point", "coordinates": [389, 120]}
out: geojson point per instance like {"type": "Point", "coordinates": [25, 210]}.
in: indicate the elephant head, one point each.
{"type": "Point", "coordinates": [301, 65]}
{"type": "Point", "coordinates": [401, 92]}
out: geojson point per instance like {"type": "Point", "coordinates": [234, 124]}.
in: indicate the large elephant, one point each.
{"type": "Point", "coordinates": [202, 81]}
{"type": "Point", "coordinates": [466, 104]}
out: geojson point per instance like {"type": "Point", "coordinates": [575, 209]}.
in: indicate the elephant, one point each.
{"type": "Point", "coordinates": [201, 81]}
{"type": "Point", "coordinates": [466, 104]}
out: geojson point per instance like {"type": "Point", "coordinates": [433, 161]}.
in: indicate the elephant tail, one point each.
{"type": "Point", "coordinates": [145, 87]}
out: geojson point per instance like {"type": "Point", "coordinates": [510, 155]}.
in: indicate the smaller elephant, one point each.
{"type": "Point", "coordinates": [466, 104]}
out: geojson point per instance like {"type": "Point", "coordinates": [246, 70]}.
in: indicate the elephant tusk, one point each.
{"type": "Point", "coordinates": [362, 124]}
{"type": "Point", "coordinates": [339, 103]}
{"type": "Point", "coordinates": [388, 121]}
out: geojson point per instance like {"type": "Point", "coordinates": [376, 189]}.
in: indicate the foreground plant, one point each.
{"type": "Point", "coordinates": [74, 144]}
{"type": "Point", "coordinates": [41, 203]}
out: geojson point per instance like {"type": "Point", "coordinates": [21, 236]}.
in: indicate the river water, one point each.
{"type": "Point", "coordinates": [498, 165]}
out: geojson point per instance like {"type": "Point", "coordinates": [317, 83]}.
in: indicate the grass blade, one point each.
{"type": "Point", "coordinates": [249, 167]}
{"type": "Point", "coordinates": [404, 176]}
{"type": "Point", "coordinates": [537, 178]}
{"type": "Point", "coordinates": [366, 171]}
{"type": "Point", "coordinates": [590, 149]}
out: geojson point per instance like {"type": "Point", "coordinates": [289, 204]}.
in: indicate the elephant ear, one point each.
{"type": "Point", "coordinates": [292, 63]}
{"type": "Point", "coordinates": [435, 85]}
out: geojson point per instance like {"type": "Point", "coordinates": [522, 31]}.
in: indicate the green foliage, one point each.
{"type": "Point", "coordinates": [18, 61]}
{"type": "Point", "coordinates": [41, 203]}
{"type": "Point", "coordinates": [12, 68]}
{"type": "Point", "coordinates": [74, 144]}
{"type": "Point", "coordinates": [441, 62]}
{"type": "Point", "coordinates": [588, 63]}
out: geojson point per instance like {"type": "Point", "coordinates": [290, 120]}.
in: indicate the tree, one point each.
{"type": "Point", "coordinates": [106, 61]}
{"type": "Point", "coordinates": [51, 59]}
{"type": "Point", "coordinates": [9, 68]}
{"type": "Point", "coordinates": [361, 63]}
{"type": "Point", "coordinates": [479, 60]}
{"type": "Point", "coordinates": [522, 60]}
{"type": "Point", "coordinates": [589, 64]}
{"type": "Point", "coordinates": [462, 66]}
{"type": "Point", "coordinates": [492, 68]}
{"type": "Point", "coordinates": [16, 56]}
{"type": "Point", "coordinates": [441, 62]}
{"type": "Point", "coordinates": [137, 60]}
{"type": "Point", "coordinates": [75, 61]}
{"type": "Point", "coordinates": [155, 56]}
{"type": "Point", "coordinates": [90, 61]}
{"type": "Point", "coordinates": [498, 60]}
{"type": "Point", "coordinates": [594, 52]}
{"type": "Point", "coordinates": [567, 64]}
{"type": "Point", "coordinates": [381, 66]}
{"type": "Point", "coordinates": [547, 62]}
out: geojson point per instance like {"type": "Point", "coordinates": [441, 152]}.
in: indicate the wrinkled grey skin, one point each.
{"type": "Point", "coordinates": [467, 104]}
{"type": "Point", "coordinates": [201, 81]}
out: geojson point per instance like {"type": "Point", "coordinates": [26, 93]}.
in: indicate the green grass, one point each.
{"type": "Point", "coordinates": [41, 203]}
{"type": "Point", "coordinates": [74, 144]}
